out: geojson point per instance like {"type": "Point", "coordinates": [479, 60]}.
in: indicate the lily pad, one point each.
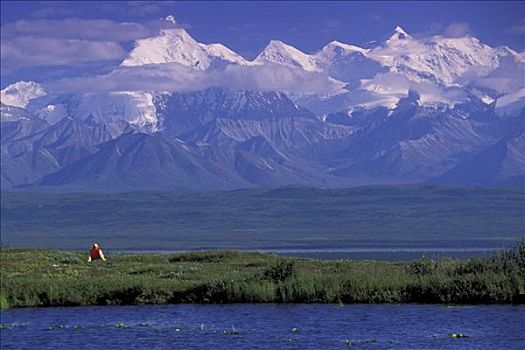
{"type": "Point", "coordinates": [351, 342]}
{"type": "Point", "coordinates": [458, 335]}
{"type": "Point", "coordinates": [232, 331]}
{"type": "Point", "coordinates": [10, 325]}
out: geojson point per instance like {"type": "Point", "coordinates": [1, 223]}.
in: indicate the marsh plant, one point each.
{"type": "Point", "coordinates": [37, 277]}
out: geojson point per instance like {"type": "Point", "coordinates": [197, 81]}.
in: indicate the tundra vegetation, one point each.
{"type": "Point", "coordinates": [41, 277]}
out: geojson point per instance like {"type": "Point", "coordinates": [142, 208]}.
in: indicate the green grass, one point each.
{"type": "Point", "coordinates": [32, 277]}
{"type": "Point", "coordinates": [3, 302]}
{"type": "Point", "coordinates": [259, 218]}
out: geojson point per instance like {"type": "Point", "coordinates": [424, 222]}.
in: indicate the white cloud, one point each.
{"type": "Point", "coordinates": [275, 78]}
{"type": "Point", "coordinates": [133, 9]}
{"type": "Point", "coordinates": [53, 12]}
{"type": "Point", "coordinates": [70, 41]}
{"type": "Point", "coordinates": [87, 29]}
{"type": "Point", "coordinates": [518, 29]}
{"type": "Point", "coordinates": [398, 85]}
{"type": "Point", "coordinates": [33, 51]}
{"type": "Point", "coordinates": [176, 77]}
{"type": "Point", "coordinates": [457, 30]}
{"type": "Point", "coordinates": [506, 78]}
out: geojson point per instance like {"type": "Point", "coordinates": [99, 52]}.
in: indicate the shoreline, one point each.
{"type": "Point", "coordinates": [42, 277]}
{"type": "Point", "coordinates": [319, 250]}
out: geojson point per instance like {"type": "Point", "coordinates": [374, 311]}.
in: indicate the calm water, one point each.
{"type": "Point", "coordinates": [265, 327]}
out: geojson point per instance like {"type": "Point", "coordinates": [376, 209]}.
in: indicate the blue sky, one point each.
{"type": "Point", "coordinates": [37, 30]}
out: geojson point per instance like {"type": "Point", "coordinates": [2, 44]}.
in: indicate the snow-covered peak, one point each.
{"type": "Point", "coordinates": [335, 50]}
{"type": "Point", "coordinates": [280, 53]}
{"type": "Point", "coordinates": [335, 45]}
{"type": "Point", "coordinates": [178, 34]}
{"type": "Point", "coordinates": [451, 58]}
{"type": "Point", "coordinates": [175, 45]}
{"type": "Point", "coordinates": [398, 30]}
{"type": "Point", "coordinates": [399, 34]}
{"type": "Point", "coordinates": [223, 52]}
{"type": "Point", "coordinates": [507, 51]}
{"type": "Point", "coordinates": [171, 19]}
{"type": "Point", "coordinates": [437, 58]}
{"type": "Point", "coordinates": [20, 93]}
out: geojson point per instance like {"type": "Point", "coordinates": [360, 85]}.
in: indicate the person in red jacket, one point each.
{"type": "Point", "coordinates": [95, 253]}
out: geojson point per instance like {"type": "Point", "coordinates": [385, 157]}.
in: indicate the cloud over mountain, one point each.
{"type": "Point", "coordinates": [33, 51]}
{"type": "Point", "coordinates": [176, 77]}
{"type": "Point", "coordinates": [76, 28]}
{"type": "Point", "coordinates": [71, 41]}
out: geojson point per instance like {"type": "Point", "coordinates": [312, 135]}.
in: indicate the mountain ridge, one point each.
{"type": "Point", "coordinates": [411, 110]}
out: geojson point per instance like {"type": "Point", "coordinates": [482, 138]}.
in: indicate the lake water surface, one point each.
{"type": "Point", "coordinates": [256, 326]}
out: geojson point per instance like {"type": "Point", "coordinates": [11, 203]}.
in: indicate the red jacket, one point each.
{"type": "Point", "coordinates": [94, 253]}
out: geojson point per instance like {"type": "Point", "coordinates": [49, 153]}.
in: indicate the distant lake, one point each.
{"type": "Point", "coordinates": [271, 326]}
{"type": "Point", "coordinates": [371, 217]}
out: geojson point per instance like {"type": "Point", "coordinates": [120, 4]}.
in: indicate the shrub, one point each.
{"type": "Point", "coordinates": [207, 256]}
{"type": "Point", "coordinates": [280, 272]}
{"type": "Point", "coordinates": [70, 260]}
{"type": "Point", "coordinates": [422, 266]}
{"type": "Point", "coordinates": [472, 266]}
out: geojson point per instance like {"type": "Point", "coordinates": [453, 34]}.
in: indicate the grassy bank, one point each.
{"type": "Point", "coordinates": [32, 277]}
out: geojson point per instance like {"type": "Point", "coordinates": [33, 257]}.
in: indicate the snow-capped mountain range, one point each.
{"type": "Point", "coordinates": [407, 109]}
{"type": "Point", "coordinates": [442, 70]}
